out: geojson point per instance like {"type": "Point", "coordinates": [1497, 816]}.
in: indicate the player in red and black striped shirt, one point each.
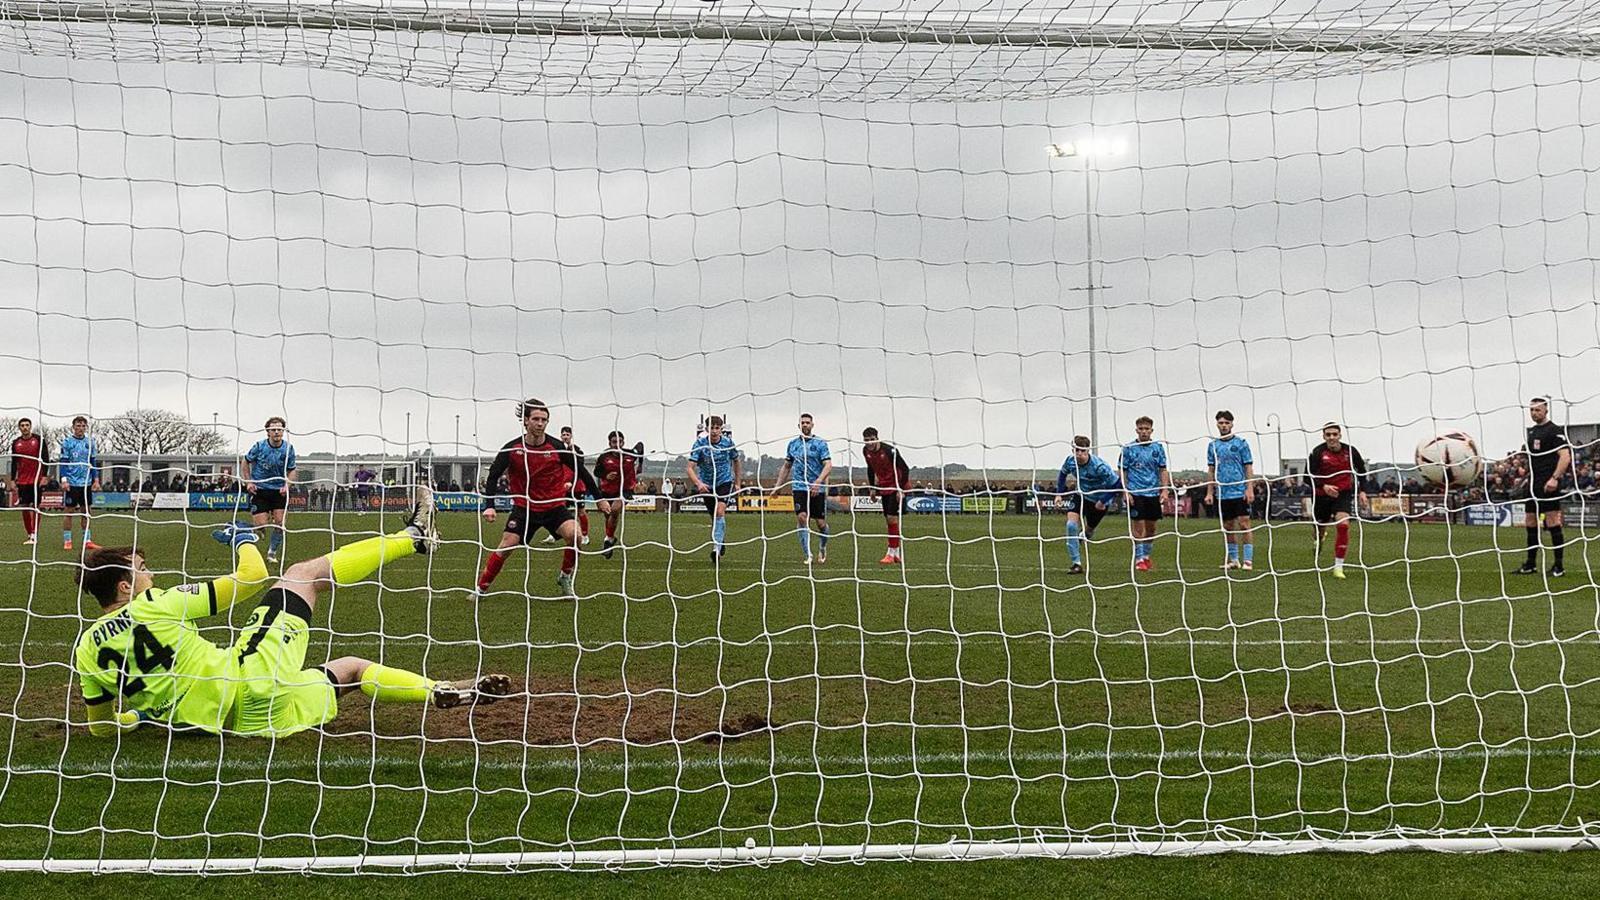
{"type": "Point", "coordinates": [890, 477]}
{"type": "Point", "coordinates": [1334, 467]}
{"type": "Point", "coordinates": [617, 470]}
{"type": "Point", "coordinates": [542, 477]}
{"type": "Point", "coordinates": [29, 457]}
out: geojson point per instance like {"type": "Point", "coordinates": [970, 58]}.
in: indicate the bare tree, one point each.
{"type": "Point", "coordinates": [155, 432]}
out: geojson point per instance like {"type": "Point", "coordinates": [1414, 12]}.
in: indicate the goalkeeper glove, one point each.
{"type": "Point", "coordinates": [235, 533]}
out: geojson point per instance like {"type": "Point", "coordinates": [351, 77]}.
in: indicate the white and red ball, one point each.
{"type": "Point", "coordinates": [1450, 459]}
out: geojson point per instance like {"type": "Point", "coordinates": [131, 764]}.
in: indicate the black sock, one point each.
{"type": "Point", "coordinates": [1559, 540]}
{"type": "Point", "coordinates": [1533, 546]}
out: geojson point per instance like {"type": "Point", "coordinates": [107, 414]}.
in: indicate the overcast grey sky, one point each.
{"type": "Point", "coordinates": [1404, 249]}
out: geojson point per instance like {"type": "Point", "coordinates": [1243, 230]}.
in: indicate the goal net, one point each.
{"type": "Point", "coordinates": [979, 230]}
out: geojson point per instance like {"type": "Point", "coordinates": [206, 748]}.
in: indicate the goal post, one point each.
{"type": "Point", "coordinates": [978, 234]}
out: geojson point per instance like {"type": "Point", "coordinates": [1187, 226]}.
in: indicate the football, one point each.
{"type": "Point", "coordinates": [1450, 459]}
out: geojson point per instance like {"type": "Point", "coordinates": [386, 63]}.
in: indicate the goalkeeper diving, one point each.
{"type": "Point", "coordinates": [147, 652]}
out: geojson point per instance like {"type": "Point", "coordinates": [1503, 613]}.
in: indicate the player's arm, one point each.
{"type": "Point", "coordinates": [249, 578]}
{"type": "Point", "coordinates": [584, 475]}
{"type": "Point", "coordinates": [1061, 479]}
{"type": "Point", "coordinates": [1211, 476]}
{"type": "Point", "coordinates": [104, 719]}
{"type": "Point", "coordinates": [827, 469]}
{"type": "Point", "coordinates": [902, 470]}
{"type": "Point", "coordinates": [694, 473]}
{"type": "Point", "coordinates": [497, 471]}
{"type": "Point", "coordinates": [738, 470]}
{"type": "Point", "coordinates": [241, 472]}
{"type": "Point", "coordinates": [288, 469]}
{"type": "Point", "coordinates": [783, 475]}
{"type": "Point", "coordinates": [1563, 461]}
{"type": "Point", "coordinates": [1249, 482]}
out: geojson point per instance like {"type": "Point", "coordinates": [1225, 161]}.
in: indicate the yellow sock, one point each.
{"type": "Point", "coordinates": [390, 685]}
{"type": "Point", "coordinates": [354, 562]}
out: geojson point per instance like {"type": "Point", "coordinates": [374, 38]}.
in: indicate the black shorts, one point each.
{"type": "Point", "coordinates": [75, 498]}
{"type": "Point", "coordinates": [1233, 508]}
{"type": "Point", "coordinates": [1323, 508]}
{"type": "Point", "coordinates": [1145, 509]}
{"type": "Point", "coordinates": [891, 501]}
{"type": "Point", "coordinates": [525, 523]}
{"type": "Point", "coordinates": [265, 500]}
{"type": "Point", "coordinates": [1088, 510]}
{"type": "Point", "coordinates": [723, 492]}
{"type": "Point", "coordinates": [813, 505]}
{"type": "Point", "coordinates": [28, 496]}
{"type": "Point", "coordinates": [1538, 500]}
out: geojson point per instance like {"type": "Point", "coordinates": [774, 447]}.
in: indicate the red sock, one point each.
{"type": "Point", "coordinates": [1341, 541]}
{"type": "Point", "coordinates": [569, 561]}
{"type": "Point", "coordinates": [894, 535]}
{"type": "Point", "coordinates": [611, 527]}
{"type": "Point", "coordinates": [583, 520]}
{"type": "Point", "coordinates": [491, 569]}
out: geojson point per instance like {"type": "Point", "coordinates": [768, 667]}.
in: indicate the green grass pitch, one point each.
{"type": "Point", "coordinates": [982, 693]}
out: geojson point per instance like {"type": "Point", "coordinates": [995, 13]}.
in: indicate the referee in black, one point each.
{"type": "Point", "coordinates": [1549, 458]}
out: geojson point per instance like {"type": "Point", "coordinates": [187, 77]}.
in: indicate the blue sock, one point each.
{"type": "Point", "coordinates": [1233, 552]}
{"type": "Point", "coordinates": [823, 537]}
{"type": "Point", "coordinates": [805, 540]}
{"type": "Point", "coordinates": [1144, 550]}
{"type": "Point", "coordinates": [277, 540]}
{"type": "Point", "coordinates": [1249, 552]}
{"type": "Point", "coordinates": [1073, 548]}
{"type": "Point", "coordinates": [719, 527]}
{"type": "Point", "coordinates": [66, 536]}
{"type": "Point", "coordinates": [86, 534]}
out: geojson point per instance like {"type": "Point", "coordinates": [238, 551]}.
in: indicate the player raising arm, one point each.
{"type": "Point", "coordinates": [1095, 488]}
{"type": "Point", "coordinates": [715, 465]}
{"type": "Point", "coordinates": [145, 658]}
{"type": "Point", "coordinates": [1334, 467]}
{"type": "Point", "coordinates": [1230, 472]}
{"type": "Point", "coordinates": [617, 471]}
{"type": "Point", "coordinates": [539, 471]}
{"type": "Point", "coordinates": [1143, 469]}
{"type": "Point", "coordinates": [890, 477]}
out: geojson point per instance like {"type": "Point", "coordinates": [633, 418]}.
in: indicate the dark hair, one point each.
{"type": "Point", "coordinates": [1334, 425]}
{"type": "Point", "coordinates": [869, 433]}
{"type": "Point", "coordinates": [714, 422]}
{"type": "Point", "coordinates": [24, 421]}
{"type": "Point", "coordinates": [1081, 442]}
{"type": "Point", "coordinates": [805, 415]}
{"type": "Point", "coordinates": [77, 419]}
{"type": "Point", "coordinates": [566, 429]}
{"type": "Point", "coordinates": [1144, 420]}
{"type": "Point", "coordinates": [106, 567]}
{"type": "Point", "coordinates": [1544, 400]}
{"type": "Point", "coordinates": [616, 434]}
{"type": "Point", "coordinates": [529, 405]}
{"type": "Point", "coordinates": [279, 420]}
{"type": "Point", "coordinates": [1224, 414]}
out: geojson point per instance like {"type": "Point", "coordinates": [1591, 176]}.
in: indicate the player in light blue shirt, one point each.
{"type": "Point", "coordinates": [1232, 470]}
{"type": "Point", "coordinates": [715, 465]}
{"type": "Point", "coordinates": [1143, 468]}
{"type": "Point", "coordinates": [268, 470]}
{"type": "Point", "coordinates": [79, 465]}
{"type": "Point", "coordinates": [1095, 487]}
{"type": "Point", "coordinates": [808, 461]}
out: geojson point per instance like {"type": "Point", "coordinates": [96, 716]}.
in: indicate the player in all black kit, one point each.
{"type": "Point", "coordinates": [577, 503]}
{"type": "Point", "coordinates": [543, 476]}
{"type": "Point", "coordinates": [1549, 459]}
{"type": "Point", "coordinates": [1334, 467]}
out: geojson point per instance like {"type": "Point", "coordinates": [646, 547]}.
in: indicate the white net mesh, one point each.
{"type": "Point", "coordinates": [390, 224]}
